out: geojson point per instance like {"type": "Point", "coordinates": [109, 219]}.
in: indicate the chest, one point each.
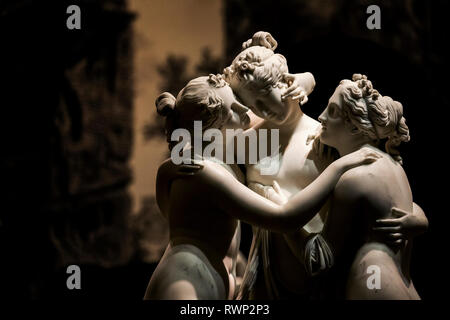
{"type": "Point", "coordinates": [294, 168]}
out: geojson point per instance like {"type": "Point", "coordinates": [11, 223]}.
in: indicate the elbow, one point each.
{"type": "Point", "coordinates": [312, 81]}
{"type": "Point", "coordinates": [425, 224]}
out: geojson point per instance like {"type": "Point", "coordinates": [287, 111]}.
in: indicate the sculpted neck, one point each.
{"type": "Point", "coordinates": [356, 145]}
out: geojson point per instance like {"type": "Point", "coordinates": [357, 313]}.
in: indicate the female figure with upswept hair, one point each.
{"type": "Point", "coordinates": [359, 116]}
{"type": "Point", "coordinates": [205, 200]}
{"type": "Point", "coordinates": [276, 267]}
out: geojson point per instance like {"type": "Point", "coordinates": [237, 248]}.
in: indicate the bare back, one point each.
{"type": "Point", "coordinates": [204, 241]}
{"type": "Point", "coordinates": [364, 195]}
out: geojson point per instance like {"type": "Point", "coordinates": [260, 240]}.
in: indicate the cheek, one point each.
{"type": "Point", "coordinates": [276, 103]}
{"type": "Point", "coordinates": [324, 137]}
{"type": "Point", "coordinates": [336, 127]}
{"type": "Point", "coordinates": [280, 107]}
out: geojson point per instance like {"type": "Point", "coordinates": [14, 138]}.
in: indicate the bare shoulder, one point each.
{"type": "Point", "coordinates": [200, 171]}
{"type": "Point", "coordinates": [214, 173]}
{"type": "Point", "coordinates": [169, 172]}
{"type": "Point", "coordinates": [205, 175]}
{"type": "Point", "coordinates": [357, 183]}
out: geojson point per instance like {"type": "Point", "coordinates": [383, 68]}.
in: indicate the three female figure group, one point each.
{"type": "Point", "coordinates": [320, 215]}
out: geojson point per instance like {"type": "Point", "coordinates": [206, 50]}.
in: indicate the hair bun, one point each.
{"type": "Point", "coordinates": [263, 39]}
{"type": "Point", "coordinates": [400, 131]}
{"type": "Point", "coordinates": [165, 103]}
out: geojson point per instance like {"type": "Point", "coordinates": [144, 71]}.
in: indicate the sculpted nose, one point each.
{"type": "Point", "coordinates": [322, 117]}
{"type": "Point", "coordinates": [239, 107]}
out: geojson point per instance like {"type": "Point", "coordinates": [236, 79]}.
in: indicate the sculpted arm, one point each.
{"type": "Point", "coordinates": [242, 203]}
{"type": "Point", "coordinates": [295, 240]}
{"type": "Point", "coordinates": [405, 225]}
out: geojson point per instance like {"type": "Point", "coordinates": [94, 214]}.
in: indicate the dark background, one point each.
{"type": "Point", "coordinates": [66, 130]}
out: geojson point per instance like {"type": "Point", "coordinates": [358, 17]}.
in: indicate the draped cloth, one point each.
{"type": "Point", "coordinates": [318, 259]}
{"type": "Point", "coordinates": [318, 255]}
{"type": "Point", "coordinates": [259, 251]}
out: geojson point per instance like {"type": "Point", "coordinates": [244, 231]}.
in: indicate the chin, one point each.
{"type": "Point", "coordinates": [278, 121]}
{"type": "Point", "coordinates": [323, 140]}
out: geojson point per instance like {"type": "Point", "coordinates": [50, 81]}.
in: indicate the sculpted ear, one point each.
{"type": "Point", "coordinates": [354, 130]}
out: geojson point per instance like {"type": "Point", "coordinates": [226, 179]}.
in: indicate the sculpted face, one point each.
{"type": "Point", "coordinates": [335, 130]}
{"type": "Point", "coordinates": [237, 112]}
{"type": "Point", "coordinates": [267, 105]}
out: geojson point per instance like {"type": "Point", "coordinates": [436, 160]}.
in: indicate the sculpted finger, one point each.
{"type": "Point", "coordinates": [387, 222]}
{"type": "Point", "coordinates": [288, 77]}
{"type": "Point", "coordinates": [387, 229]}
{"type": "Point", "coordinates": [299, 93]}
{"type": "Point", "coordinates": [189, 169]}
{"type": "Point", "coordinates": [395, 243]}
{"type": "Point", "coordinates": [302, 96]}
{"type": "Point", "coordinates": [276, 187]}
{"type": "Point", "coordinates": [396, 236]}
{"type": "Point", "coordinates": [305, 100]}
{"type": "Point", "coordinates": [399, 212]}
{"type": "Point", "coordinates": [292, 90]}
{"type": "Point", "coordinates": [310, 138]}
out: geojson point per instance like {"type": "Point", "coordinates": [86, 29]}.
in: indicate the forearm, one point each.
{"type": "Point", "coordinates": [267, 192]}
{"type": "Point", "coordinates": [246, 205]}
